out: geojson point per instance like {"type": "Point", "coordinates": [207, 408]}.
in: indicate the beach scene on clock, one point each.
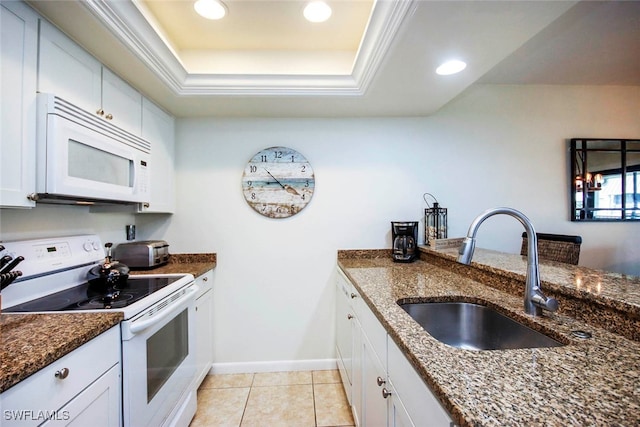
{"type": "Point", "coordinates": [278, 182]}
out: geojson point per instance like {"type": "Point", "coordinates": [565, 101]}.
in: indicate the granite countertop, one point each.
{"type": "Point", "coordinates": [32, 341]}
{"type": "Point", "coordinates": [585, 382]}
{"type": "Point", "coordinates": [195, 264]}
{"type": "Point", "coordinates": [29, 342]}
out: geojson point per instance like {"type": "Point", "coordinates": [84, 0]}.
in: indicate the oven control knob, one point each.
{"type": "Point", "coordinates": [96, 246]}
{"type": "Point", "coordinates": [88, 246]}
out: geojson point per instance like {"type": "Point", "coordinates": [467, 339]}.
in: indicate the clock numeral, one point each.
{"type": "Point", "coordinates": [303, 196]}
{"type": "Point", "coordinates": [303, 168]}
{"type": "Point", "coordinates": [306, 184]}
{"type": "Point", "coordinates": [293, 208]}
{"type": "Point", "coordinates": [250, 183]}
{"type": "Point", "coordinates": [293, 159]}
{"type": "Point", "coordinates": [278, 154]}
{"type": "Point", "coordinates": [263, 158]}
{"type": "Point", "coordinates": [253, 196]}
{"type": "Point", "coordinates": [253, 168]}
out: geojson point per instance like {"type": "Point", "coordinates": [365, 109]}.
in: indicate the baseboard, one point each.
{"type": "Point", "coordinates": [273, 366]}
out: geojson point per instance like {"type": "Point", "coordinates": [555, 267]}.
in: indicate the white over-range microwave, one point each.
{"type": "Point", "coordinates": [83, 159]}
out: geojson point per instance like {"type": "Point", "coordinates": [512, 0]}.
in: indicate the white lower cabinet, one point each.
{"type": "Point", "coordinates": [204, 326]}
{"type": "Point", "coordinates": [374, 378]}
{"type": "Point", "coordinates": [385, 389]}
{"type": "Point", "coordinates": [344, 335]}
{"type": "Point", "coordinates": [423, 407]}
{"type": "Point", "coordinates": [82, 388]}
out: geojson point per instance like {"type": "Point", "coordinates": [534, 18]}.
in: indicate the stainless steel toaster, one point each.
{"type": "Point", "coordinates": [143, 254]}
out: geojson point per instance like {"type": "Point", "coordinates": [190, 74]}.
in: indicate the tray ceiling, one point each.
{"type": "Point", "coordinates": [372, 58]}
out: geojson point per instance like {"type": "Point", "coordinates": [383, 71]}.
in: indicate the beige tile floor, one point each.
{"type": "Point", "coordinates": [273, 399]}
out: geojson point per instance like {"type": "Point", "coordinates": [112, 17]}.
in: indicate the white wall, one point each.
{"type": "Point", "coordinates": [493, 146]}
{"type": "Point", "coordinates": [57, 220]}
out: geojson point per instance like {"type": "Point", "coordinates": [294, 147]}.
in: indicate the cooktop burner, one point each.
{"type": "Point", "coordinates": [84, 297]}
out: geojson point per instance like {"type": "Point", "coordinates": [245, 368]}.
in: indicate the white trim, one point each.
{"type": "Point", "coordinates": [273, 366]}
{"type": "Point", "coordinates": [128, 24]}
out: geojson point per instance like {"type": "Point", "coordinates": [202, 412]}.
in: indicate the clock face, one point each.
{"type": "Point", "coordinates": [278, 182]}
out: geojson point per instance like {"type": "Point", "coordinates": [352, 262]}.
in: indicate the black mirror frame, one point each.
{"type": "Point", "coordinates": [579, 155]}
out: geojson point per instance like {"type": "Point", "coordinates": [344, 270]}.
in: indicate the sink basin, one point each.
{"type": "Point", "coordinates": [475, 327]}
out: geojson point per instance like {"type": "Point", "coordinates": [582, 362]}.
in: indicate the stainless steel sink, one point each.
{"type": "Point", "coordinates": [475, 327]}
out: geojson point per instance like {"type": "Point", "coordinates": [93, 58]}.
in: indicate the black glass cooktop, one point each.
{"type": "Point", "coordinates": [85, 297]}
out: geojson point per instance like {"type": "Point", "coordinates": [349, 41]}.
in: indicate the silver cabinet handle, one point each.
{"type": "Point", "coordinates": [349, 316]}
{"type": "Point", "coordinates": [385, 393]}
{"type": "Point", "coordinates": [62, 373]}
{"type": "Point", "coordinates": [353, 295]}
{"type": "Point", "coordinates": [205, 279]}
{"type": "Point", "coordinates": [109, 116]}
{"type": "Point", "coordinates": [100, 112]}
{"type": "Point", "coordinates": [380, 381]}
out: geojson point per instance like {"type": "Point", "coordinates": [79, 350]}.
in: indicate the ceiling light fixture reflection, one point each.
{"type": "Point", "coordinates": [210, 9]}
{"type": "Point", "coordinates": [317, 11]}
{"type": "Point", "coordinates": [451, 67]}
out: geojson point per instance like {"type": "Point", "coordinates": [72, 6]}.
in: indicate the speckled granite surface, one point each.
{"type": "Point", "coordinates": [584, 383]}
{"type": "Point", "coordinates": [32, 341]}
{"type": "Point", "coordinates": [196, 264]}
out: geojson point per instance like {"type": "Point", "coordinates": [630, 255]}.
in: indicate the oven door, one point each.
{"type": "Point", "coordinates": [158, 362]}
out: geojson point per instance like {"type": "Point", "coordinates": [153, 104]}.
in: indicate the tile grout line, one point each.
{"type": "Point", "coordinates": [246, 402]}
{"type": "Point", "coordinates": [313, 396]}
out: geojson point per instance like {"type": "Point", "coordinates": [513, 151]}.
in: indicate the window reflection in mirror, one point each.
{"type": "Point", "coordinates": [605, 179]}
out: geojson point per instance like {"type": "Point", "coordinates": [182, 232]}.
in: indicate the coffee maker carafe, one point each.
{"type": "Point", "coordinates": [404, 236]}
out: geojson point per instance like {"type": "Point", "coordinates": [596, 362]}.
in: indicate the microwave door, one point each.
{"type": "Point", "coordinates": [85, 163]}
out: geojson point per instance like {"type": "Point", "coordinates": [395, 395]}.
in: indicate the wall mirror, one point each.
{"type": "Point", "coordinates": [605, 175]}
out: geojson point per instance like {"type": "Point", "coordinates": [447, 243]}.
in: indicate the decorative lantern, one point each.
{"type": "Point", "coordinates": [435, 221]}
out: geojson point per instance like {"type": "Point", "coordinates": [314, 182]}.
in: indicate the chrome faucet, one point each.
{"type": "Point", "coordinates": [534, 299]}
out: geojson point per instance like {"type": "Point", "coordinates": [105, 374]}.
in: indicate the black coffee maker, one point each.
{"type": "Point", "coordinates": [404, 236]}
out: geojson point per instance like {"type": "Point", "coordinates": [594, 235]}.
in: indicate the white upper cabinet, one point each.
{"type": "Point", "coordinates": [68, 71]}
{"type": "Point", "coordinates": [159, 128]}
{"type": "Point", "coordinates": [71, 73]}
{"type": "Point", "coordinates": [18, 64]}
{"type": "Point", "coordinates": [121, 104]}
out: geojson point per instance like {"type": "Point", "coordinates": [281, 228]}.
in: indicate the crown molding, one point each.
{"type": "Point", "coordinates": [127, 22]}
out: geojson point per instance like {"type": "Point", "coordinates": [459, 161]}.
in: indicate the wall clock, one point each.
{"type": "Point", "coordinates": [278, 182]}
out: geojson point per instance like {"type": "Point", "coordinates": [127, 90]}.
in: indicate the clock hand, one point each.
{"type": "Point", "coordinates": [275, 179]}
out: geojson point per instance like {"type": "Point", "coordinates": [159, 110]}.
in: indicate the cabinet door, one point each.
{"type": "Point", "coordinates": [121, 104]}
{"type": "Point", "coordinates": [158, 128]}
{"type": "Point", "coordinates": [204, 327]}
{"type": "Point", "coordinates": [398, 414]}
{"type": "Point", "coordinates": [97, 406]}
{"type": "Point", "coordinates": [374, 403]}
{"type": "Point", "coordinates": [416, 396]}
{"type": "Point", "coordinates": [19, 53]}
{"type": "Point", "coordinates": [344, 335]}
{"type": "Point", "coordinates": [68, 71]}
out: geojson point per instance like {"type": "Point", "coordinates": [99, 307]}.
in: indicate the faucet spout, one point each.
{"type": "Point", "coordinates": [534, 299]}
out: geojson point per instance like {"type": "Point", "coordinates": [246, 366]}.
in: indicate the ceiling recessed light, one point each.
{"type": "Point", "coordinates": [317, 11]}
{"type": "Point", "coordinates": [210, 9]}
{"type": "Point", "coordinates": [451, 67]}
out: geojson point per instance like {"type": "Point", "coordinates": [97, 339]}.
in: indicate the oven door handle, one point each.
{"type": "Point", "coordinates": [144, 324]}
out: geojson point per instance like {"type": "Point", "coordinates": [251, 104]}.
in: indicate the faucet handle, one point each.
{"type": "Point", "coordinates": [550, 304]}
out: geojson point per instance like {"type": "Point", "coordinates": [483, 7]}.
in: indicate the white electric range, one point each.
{"type": "Point", "coordinates": [158, 331]}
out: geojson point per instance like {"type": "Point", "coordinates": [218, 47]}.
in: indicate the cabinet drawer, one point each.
{"type": "Point", "coordinates": [43, 391]}
{"type": "Point", "coordinates": [205, 283]}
